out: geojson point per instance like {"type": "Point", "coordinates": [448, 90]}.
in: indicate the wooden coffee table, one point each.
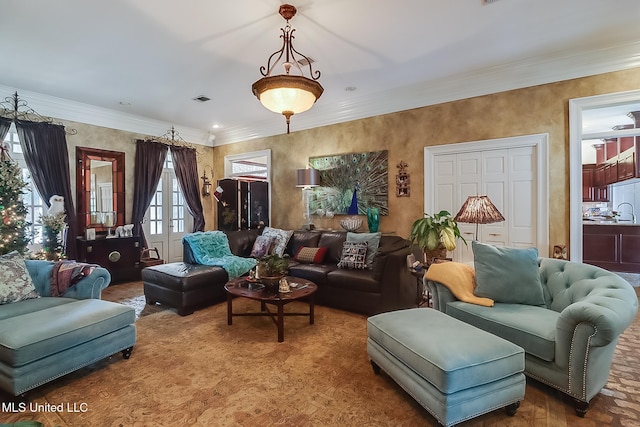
{"type": "Point", "coordinates": [241, 287]}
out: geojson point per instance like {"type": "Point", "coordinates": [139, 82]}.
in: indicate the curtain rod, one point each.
{"type": "Point", "coordinates": [172, 138]}
{"type": "Point", "coordinates": [11, 110]}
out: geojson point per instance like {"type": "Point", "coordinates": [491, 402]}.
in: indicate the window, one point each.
{"type": "Point", "coordinates": [31, 199]}
{"type": "Point", "coordinates": [155, 211]}
{"type": "Point", "coordinates": [177, 206]}
{"type": "Point", "coordinates": [249, 166]}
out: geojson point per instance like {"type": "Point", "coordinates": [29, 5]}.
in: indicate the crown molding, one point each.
{"type": "Point", "coordinates": [64, 109]}
{"type": "Point", "coordinates": [514, 75]}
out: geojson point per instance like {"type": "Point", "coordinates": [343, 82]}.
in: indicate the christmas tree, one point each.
{"type": "Point", "coordinates": [13, 233]}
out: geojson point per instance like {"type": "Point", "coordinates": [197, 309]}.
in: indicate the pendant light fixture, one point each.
{"type": "Point", "coordinates": [289, 93]}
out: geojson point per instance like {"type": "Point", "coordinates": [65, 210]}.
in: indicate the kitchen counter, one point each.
{"type": "Point", "coordinates": [605, 222]}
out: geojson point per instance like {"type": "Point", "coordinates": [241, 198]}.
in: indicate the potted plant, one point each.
{"type": "Point", "coordinates": [435, 235]}
{"type": "Point", "coordinates": [272, 268]}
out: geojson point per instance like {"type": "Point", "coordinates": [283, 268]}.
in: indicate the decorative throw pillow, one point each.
{"type": "Point", "coordinates": [507, 275]}
{"type": "Point", "coordinates": [371, 239]}
{"type": "Point", "coordinates": [261, 246]}
{"type": "Point", "coordinates": [15, 280]}
{"type": "Point", "coordinates": [354, 256]}
{"type": "Point", "coordinates": [280, 239]}
{"type": "Point", "coordinates": [310, 255]}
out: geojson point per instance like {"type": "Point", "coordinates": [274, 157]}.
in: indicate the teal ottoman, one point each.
{"type": "Point", "coordinates": [454, 370]}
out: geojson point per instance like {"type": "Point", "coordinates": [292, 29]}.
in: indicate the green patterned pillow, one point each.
{"type": "Point", "coordinates": [15, 280]}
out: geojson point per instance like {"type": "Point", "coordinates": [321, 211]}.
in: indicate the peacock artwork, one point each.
{"type": "Point", "coordinates": [351, 183]}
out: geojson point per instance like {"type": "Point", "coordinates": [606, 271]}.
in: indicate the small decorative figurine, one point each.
{"type": "Point", "coordinates": [284, 286]}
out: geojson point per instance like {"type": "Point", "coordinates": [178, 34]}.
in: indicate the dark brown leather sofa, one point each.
{"type": "Point", "coordinates": [387, 286]}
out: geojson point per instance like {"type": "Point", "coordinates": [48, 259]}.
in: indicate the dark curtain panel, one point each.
{"type": "Point", "coordinates": [184, 163]}
{"type": "Point", "coordinates": [5, 124]}
{"type": "Point", "coordinates": [150, 157]}
{"type": "Point", "coordinates": [45, 152]}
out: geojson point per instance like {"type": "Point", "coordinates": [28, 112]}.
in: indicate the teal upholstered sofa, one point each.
{"type": "Point", "coordinates": [569, 341]}
{"type": "Point", "coordinates": [45, 338]}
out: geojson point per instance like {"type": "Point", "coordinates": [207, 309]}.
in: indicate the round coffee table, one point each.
{"type": "Point", "coordinates": [301, 290]}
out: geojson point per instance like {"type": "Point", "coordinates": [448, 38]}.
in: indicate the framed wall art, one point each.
{"type": "Point", "coordinates": [351, 183]}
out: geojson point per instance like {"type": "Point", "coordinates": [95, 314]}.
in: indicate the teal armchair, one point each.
{"type": "Point", "coordinates": [569, 342]}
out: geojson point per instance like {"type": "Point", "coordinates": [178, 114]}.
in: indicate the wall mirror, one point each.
{"type": "Point", "coordinates": [99, 188]}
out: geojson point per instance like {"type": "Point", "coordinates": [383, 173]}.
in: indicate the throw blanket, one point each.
{"type": "Point", "coordinates": [65, 274]}
{"type": "Point", "coordinates": [212, 248]}
{"type": "Point", "coordinates": [460, 279]}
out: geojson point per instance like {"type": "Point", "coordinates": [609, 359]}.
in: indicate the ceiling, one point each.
{"type": "Point", "coordinates": [136, 65]}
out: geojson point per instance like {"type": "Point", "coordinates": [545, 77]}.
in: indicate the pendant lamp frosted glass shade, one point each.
{"type": "Point", "coordinates": [287, 94]}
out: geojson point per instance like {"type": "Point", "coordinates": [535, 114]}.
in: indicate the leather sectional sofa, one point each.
{"type": "Point", "coordinates": [387, 286]}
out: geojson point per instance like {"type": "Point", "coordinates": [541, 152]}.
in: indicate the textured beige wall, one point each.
{"type": "Point", "coordinates": [537, 109]}
{"type": "Point", "coordinates": [117, 140]}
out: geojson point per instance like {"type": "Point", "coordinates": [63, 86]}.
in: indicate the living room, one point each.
{"type": "Point", "coordinates": [536, 107]}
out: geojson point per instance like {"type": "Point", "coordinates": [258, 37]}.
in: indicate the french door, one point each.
{"type": "Point", "coordinates": [167, 219]}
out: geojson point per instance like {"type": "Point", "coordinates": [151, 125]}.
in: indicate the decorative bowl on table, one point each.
{"type": "Point", "coordinates": [351, 223]}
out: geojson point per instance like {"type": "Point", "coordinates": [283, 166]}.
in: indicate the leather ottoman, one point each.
{"type": "Point", "coordinates": [184, 286]}
{"type": "Point", "coordinates": [454, 370]}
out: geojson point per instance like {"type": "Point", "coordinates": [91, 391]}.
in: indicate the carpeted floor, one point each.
{"type": "Point", "coordinates": [199, 371]}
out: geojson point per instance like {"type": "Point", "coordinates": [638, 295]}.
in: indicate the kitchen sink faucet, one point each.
{"type": "Point", "coordinates": [633, 215]}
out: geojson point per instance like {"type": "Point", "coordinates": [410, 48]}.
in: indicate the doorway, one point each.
{"type": "Point", "coordinates": [577, 109]}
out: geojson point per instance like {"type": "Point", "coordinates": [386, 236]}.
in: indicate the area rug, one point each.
{"type": "Point", "coordinates": [198, 371]}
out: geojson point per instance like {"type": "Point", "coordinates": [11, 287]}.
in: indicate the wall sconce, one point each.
{"type": "Point", "coordinates": [206, 183]}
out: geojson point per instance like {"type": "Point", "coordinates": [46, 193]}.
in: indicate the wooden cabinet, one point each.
{"type": "Point", "coordinates": [601, 194]}
{"type": "Point", "coordinates": [611, 173]}
{"type": "Point", "coordinates": [593, 187]}
{"type": "Point", "coordinates": [244, 205]}
{"type": "Point", "coordinates": [613, 247]}
{"type": "Point", "coordinates": [626, 165]}
{"type": "Point", "coordinates": [121, 256]}
{"type": "Point", "coordinates": [587, 183]}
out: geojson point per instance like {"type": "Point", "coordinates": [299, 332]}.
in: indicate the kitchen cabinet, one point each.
{"type": "Point", "coordinates": [121, 256]}
{"type": "Point", "coordinates": [626, 165]}
{"type": "Point", "coordinates": [593, 188]}
{"type": "Point", "coordinates": [614, 247]}
{"type": "Point", "coordinates": [611, 173]}
{"type": "Point", "coordinates": [587, 183]}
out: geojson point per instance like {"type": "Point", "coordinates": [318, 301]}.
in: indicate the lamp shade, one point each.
{"type": "Point", "coordinates": [287, 94]}
{"type": "Point", "coordinates": [479, 210]}
{"type": "Point", "coordinates": [308, 178]}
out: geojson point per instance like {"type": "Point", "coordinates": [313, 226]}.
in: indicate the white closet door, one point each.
{"type": "Point", "coordinates": [508, 177]}
{"type": "Point", "coordinates": [495, 184]}
{"type": "Point", "coordinates": [522, 203]}
{"type": "Point", "coordinates": [468, 184]}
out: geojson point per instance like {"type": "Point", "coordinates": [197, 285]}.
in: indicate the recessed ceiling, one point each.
{"type": "Point", "coordinates": [129, 62]}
